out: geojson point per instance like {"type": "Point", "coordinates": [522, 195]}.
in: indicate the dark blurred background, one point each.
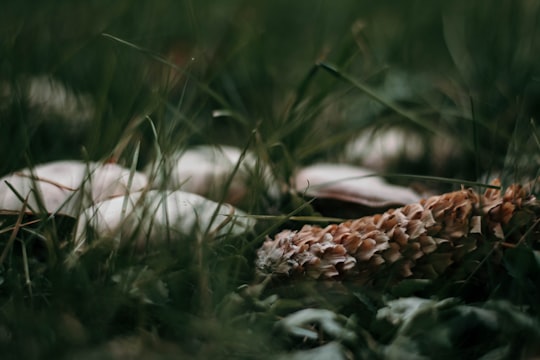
{"type": "Point", "coordinates": [89, 79]}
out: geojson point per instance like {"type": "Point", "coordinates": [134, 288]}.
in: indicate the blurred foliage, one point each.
{"type": "Point", "coordinates": [248, 73]}
{"type": "Point", "coordinates": [472, 65]}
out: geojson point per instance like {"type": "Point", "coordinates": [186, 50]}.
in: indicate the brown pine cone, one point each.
{"type": "Point", "coordinates": [418, 240]}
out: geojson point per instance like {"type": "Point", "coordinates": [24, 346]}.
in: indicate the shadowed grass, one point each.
{"type": "Point", "coordinates": [162, 77]}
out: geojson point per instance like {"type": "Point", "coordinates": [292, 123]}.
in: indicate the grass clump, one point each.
{"type": "Point", "coordinates": [294, 84]}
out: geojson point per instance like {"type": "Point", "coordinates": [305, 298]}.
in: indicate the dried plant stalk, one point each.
{"type": "Point", "coordinates": [418, 240]}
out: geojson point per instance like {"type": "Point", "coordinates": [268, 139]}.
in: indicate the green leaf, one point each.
{"type": "Point", "coordinates": [447, 330]}
{"type": "Point", "coordinates": [142, 284]}
{"type": "Point", "coordinates": [332, 350]}
{"type": "Point", "coordinates": [301, 324]}
{"type": "Point", "coordinates": [409, 287]}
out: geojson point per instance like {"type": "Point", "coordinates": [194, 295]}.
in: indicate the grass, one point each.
{"type": "Point", "coordinates": [294, 83]}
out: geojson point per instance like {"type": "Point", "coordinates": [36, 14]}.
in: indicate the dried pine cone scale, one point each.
{"type": "Point", "coordinates": [418, 240]}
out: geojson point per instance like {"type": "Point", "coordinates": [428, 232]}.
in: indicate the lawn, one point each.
{"type": "Point", "coordinates": [434, 98]}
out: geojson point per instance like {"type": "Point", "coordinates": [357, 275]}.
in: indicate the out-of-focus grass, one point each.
{"type": "Point", "coordinates": [242, 73]}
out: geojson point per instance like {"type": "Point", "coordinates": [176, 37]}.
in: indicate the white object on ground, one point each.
{"type": "Point", "coordinates": [49, 96]}
{"type": "Point", "coordinates": [351, 184]}
{"type": "Point", "coordinates": [379, 148]}
{"type": "Point", "coordinates": [376, 148]}
{"type": "Point", "coordinates": [156, 216]}
{"type": "Point", "coordinates": [66, 187]}
{"type": "Point", "coordinates": [205, 170]}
